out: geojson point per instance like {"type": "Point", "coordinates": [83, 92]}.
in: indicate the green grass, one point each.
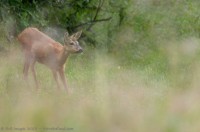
{"type": "Point", "coordinates": [105, 97]}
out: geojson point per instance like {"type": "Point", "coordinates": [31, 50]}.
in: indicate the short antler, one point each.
{"type": "Point", "coordinates": [66, 37]}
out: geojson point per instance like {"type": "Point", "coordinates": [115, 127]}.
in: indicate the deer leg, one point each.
{"type": "Point", "coordinates": [55, 75]}
{"type": "Point", "coordinates": [26, 64]}
{"type": "Point", "coordinates": [62, 76]}
{"type": "Point", "coordinates": [34, 73]}
{"type": "Point", "coordinates": [26, 68]}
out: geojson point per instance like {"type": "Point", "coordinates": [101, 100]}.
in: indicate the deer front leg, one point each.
{"type": "Point", "coordinates": [55, 75]}
{"type": "Point", "coordinates": [62, 76]}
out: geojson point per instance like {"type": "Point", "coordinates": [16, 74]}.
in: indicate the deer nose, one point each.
{"type": "Point", "coordinates": [80, 50]}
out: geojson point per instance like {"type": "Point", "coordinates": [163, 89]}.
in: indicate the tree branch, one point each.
{"type": "Point", "coordinates": [92, 22]}
{"type": "Point", "coordinates": [100, 20]}
{"type": "Point", "coordinates": [101, 2]}
{"type": "Point", "coordinates": [98, 9]}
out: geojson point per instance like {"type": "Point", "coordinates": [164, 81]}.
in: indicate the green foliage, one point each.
{"type": "Point", "coordinates": [136, 35]}
{"type": "Point", "coordinates": [66, 14]}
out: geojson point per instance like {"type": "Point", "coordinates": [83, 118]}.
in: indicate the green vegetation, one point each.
{"type": "Point", "coordinates": [139, 72]}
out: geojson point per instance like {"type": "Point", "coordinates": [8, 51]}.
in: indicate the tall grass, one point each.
{"type": "Point", "coordinates": [148, 82]}
{"type": "Point", "coordinates": [105, 96]}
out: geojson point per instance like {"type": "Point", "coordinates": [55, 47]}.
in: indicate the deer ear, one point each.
{"type": "Point", "coordinates": [66, 34]}
{"type": "Point", "coordinates": [77, 35]}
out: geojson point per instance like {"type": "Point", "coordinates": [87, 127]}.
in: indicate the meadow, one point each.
{"type": "Point", "coordinates": [105, 96]}
{"type": "Point", "coordinates": [141, 76]}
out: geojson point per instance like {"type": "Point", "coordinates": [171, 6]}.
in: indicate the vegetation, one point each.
{"type": "Point", "coordinates": [139, 70]}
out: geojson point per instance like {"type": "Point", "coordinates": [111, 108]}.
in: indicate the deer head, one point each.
{"type": "Point", "coordinates": [71, 43]}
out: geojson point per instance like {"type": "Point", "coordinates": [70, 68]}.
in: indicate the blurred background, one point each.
{"type": "Point", "coordinates": [139, 71]}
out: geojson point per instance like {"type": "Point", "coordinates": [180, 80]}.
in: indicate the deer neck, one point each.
{"type": "Point", "coordinates": [63, 56]}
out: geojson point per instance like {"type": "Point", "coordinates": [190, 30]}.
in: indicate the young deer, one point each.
{"type": "Point", "coordinates": [38, 47]}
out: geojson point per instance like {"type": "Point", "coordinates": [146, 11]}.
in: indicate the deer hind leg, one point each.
{"type": "Point", "coordinates": [33, 61]}
{"type": "Point", "coordinates": [25, 71]}
{"type": "Point", "coordinates": [62, 76]}
{"type": "Point", "coordinates": [26, 66]}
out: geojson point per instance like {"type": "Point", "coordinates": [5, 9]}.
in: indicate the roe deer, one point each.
{"type": "Point", "coordinates": [38, 47]}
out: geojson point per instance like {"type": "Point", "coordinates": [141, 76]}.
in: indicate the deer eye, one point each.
{"type": "Point", "coordinates": [71, 43]}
